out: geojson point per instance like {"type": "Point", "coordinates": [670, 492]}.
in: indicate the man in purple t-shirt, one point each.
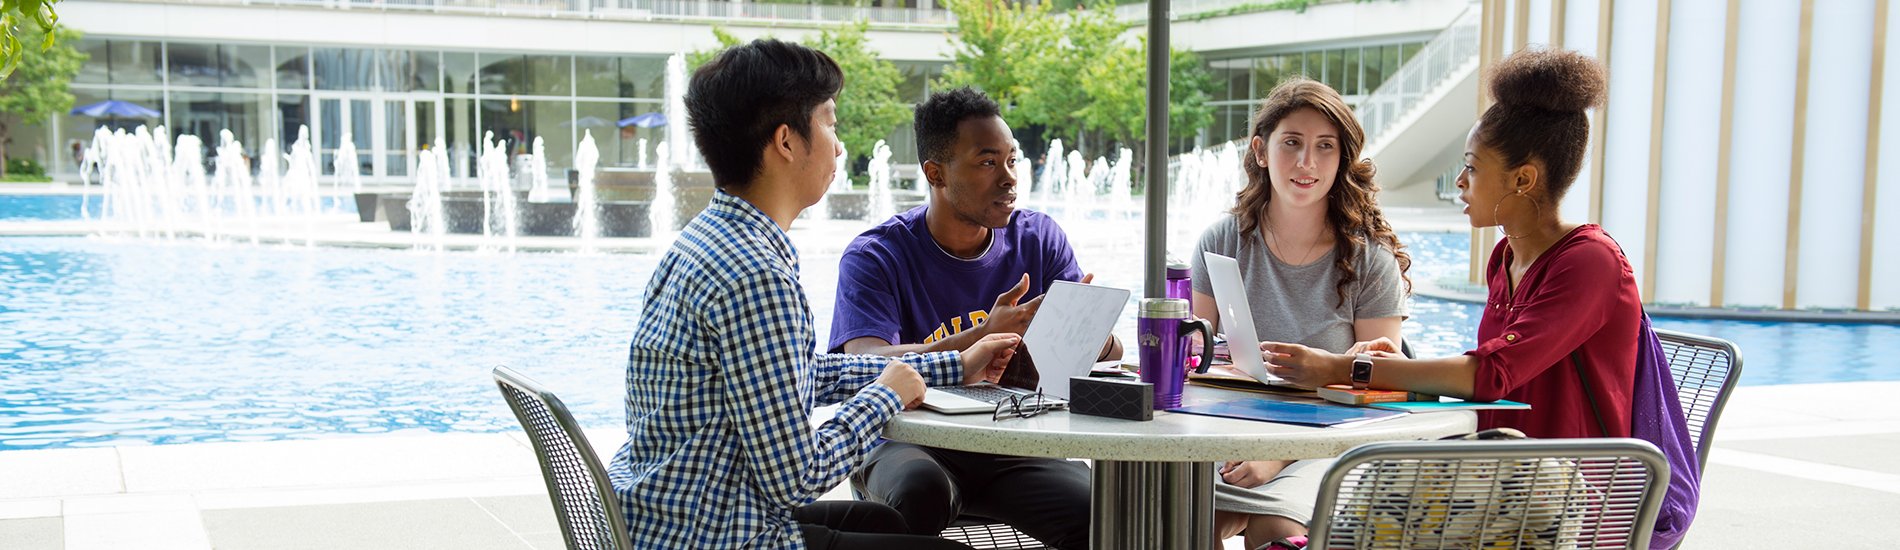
{"type": "Point", "coordinates": [942, 276]}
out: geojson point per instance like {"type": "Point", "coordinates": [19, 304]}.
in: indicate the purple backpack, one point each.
{"type": "Point", "coordinates": [1656, 416]}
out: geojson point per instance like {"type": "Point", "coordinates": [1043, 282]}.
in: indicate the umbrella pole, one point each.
{"type": "Point", "coordinates": [1157, 215]}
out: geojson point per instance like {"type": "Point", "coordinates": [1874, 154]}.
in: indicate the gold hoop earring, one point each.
{"type": "Point", "coordinates": [1494, 213]}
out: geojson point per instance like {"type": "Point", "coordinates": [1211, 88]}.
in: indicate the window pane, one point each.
{"type": "Point", "coordinates": [643, 77]}
{"type": "Point", "coordinates": [458, 72]}
{"type": "Point", "coordinates": [246, 66]}
{"type": "Point", "coordinates": [195, 64]}
{"type": "Point", "coordinates": [293, 112]}
{"type": "Point", "coordinates": [618, 146]}
{"type": "Point", "coordinates": [597, 77]}
{"type": "Point", "coordinates": [1349, 79]}
{"type": "Point", "coordinates": [98, 61]}
{"type": "Point", "coordinates": [395, 138]}
{"type": "Point", "coordinates": [344, 68]}
{"type": "Point", "coordinates": [463, 135]}
{"type": "Point", "coordinates": [78, 129]}
{"type": "Point", "coordinates": [1312, 65]}
{"type": "Point", "coordinates": [551, 74]}
{"type": "Point", "coordinates": [151, 99]}
{"type": "Point", "coordinates": [1335, 69]}
{"type": "Point", "coordinates": [135, 62]}
{"type": "Point", "coordinates": [1272, 70]}
{"type": "Point", "coordinates": [554, 123]}
{"type": "Point", "coordinates": [407, 71]}
{"type": "Point", "coordinates": [526, 75]}
{"type": "Point", "coordinates": [208, 114]}
{"type": "Point", "coordinates": [293, 68]}
{"type": "Point", "coordinates": [502, 75]}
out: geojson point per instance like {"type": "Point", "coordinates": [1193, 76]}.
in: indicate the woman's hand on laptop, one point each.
{"type": "Point", "coordinates": [1304, 366]}
{"type": "Point", "coordinates": [986, 360]}
{"type": "Point", "coordinates": [901, 378]}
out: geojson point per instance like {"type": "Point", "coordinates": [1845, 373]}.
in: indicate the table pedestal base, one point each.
{"type": "Point", "coordinates": [1147, 505]}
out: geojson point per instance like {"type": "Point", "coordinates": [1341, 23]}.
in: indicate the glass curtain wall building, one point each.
{"type": "Point", "coordinates": [1354, 71]}
{"type": "Point", "coordinates": [390, 103]}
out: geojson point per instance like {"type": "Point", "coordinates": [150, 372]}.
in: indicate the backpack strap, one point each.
{"type": "Point", "coordinates": [1588, 396]}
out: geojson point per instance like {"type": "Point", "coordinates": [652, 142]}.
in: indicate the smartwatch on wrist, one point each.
{"type": "Point", "coordinates": [1361, 371]}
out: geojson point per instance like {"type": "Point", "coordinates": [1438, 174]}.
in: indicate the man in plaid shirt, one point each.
{"type": "Point", "coordinates": [722, 375]}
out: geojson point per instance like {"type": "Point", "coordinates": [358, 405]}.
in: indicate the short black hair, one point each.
{"type": "Point", "coordinates": [938, 117]}
{"type": "Point", "coordinates": [738, 99]}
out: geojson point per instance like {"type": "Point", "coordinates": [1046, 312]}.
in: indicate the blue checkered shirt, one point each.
{"type": "Point", "coordinates": [721, 381]}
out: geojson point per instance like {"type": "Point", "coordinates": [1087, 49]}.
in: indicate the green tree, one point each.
{"type": "Point", "coordinates": [1056, 93]}
{"type": "Point", "coordinates": [696, 58]}
{"type": "Point", "coordinates": [38, 88]}
{"type": "Point", "coordinates": [995, 41]}
{"type": "Point", "coordinates": [868, 107]}
{"type": "Point", "coordinates": [14, 17]}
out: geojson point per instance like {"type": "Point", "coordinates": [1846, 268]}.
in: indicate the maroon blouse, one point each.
{"type": "Point", "coordinates": [1579, 298]}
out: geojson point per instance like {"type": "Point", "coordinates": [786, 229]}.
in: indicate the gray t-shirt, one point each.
{"type": "Point", "coordinates": [1300, 304]}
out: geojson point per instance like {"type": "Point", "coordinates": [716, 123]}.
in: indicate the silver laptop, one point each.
{"type": "Point", "coordinates": [1064, 339]}
{"type": "Point", "coordinates": [1236, 318]}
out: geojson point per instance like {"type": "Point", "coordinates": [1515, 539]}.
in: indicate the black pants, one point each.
{"type": "Point", "coordinates": [1045, 498]}
{"type": "Point", "coordinates": [852, 525]}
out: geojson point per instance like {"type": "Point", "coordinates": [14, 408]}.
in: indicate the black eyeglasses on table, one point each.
{"type": "Point", "coordinates": [1026, 406]}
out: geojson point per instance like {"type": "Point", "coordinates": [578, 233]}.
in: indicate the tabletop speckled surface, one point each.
{"type": "Point", "coordinates": [1170, 437]}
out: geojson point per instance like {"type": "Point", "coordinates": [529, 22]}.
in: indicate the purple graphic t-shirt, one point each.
{"type": "Point", "coordinates": [897, 284]}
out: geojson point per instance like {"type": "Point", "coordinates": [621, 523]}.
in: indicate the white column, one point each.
{"type": "Point", "coordinates": [1834, 169]}
{"type": "Point", "coordinates": [1626, 155]}
{"type": "Point", "coordinates": [1692, 112]}
{"type": "Point", "coordinates": [1761, 154]}
{"type": "Point", "coordinates": [1580, 34]}
{"type": "Point", "coordinates": [1887, 202]}
{"type": "Point", "coordinates": [1539, 32]}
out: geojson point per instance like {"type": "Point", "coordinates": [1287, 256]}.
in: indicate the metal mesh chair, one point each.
{"type": "Point", "coordinates": [983, 533]}
{"type": "Point", "coordinates": [1534, 493]}
{"type": "Point", "coordinates": [583, 498]}
{"type": "Point", "coordinates": [1705, 370]}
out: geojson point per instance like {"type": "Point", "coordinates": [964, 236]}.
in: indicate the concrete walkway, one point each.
{"type": "Point", "coordinates": [1795, 464]}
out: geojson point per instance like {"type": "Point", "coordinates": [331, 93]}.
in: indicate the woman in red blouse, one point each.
{"type": "Point", "coordinates": [1563, 300]}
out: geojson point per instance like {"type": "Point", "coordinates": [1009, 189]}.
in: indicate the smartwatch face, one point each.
{"type": "Point", "coordinates": [1362, 371]}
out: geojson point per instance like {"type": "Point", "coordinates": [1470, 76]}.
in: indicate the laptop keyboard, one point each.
{"type": "Point", "coordinates": [986, 394]}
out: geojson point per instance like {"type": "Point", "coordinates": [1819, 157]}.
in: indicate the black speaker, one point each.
{"type": "Point", "coordinates": [1124, 398]}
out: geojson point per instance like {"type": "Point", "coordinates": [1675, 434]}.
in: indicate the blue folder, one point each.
{"type": "Point", "coordinates": [1286, 412]}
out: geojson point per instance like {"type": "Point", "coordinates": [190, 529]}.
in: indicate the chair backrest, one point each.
{"type": "Point", "coordinates": [1532, 493]}
{"type": "Point", "coordinates": [1705, 370]}
{"type": "Point", "coordinates": [583, 498]}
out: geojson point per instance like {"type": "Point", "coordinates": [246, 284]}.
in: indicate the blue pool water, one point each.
{"type": "Point", "coordinates": [61, 207]}
{"type": "Point", "coordinates": [107, 341]}
{"type": "Point", "coordinates": [18, 208]}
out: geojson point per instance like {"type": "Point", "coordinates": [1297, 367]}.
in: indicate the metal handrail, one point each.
{"type": "Point", "coordinates": [621, 10]}
{"type": "Point", "coordinates": [1452, 50]}
{"type": "Point", "coordinates": [1178, 9]}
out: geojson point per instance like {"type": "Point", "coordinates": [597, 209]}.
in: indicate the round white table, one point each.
{"type": "Point", "coordinates": [1153, 481]}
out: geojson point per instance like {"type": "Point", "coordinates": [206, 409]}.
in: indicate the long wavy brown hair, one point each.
{"type": "Point", "coordinates": [1352, 206]}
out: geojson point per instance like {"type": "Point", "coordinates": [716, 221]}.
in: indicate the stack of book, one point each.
{"type": "Point", "coordinates": [1408, 401]}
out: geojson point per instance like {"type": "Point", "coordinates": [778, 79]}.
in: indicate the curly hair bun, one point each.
{"type": "Point", "coordinates": [1552, 80]}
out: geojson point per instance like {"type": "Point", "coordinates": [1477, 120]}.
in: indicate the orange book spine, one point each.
{"type": "Point", "coordinates": [1350, 396]}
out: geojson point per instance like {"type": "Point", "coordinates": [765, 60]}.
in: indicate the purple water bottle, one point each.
{"type": "Point", "coordinates": [1180, 285]}
{"type": "Point", "coordinates": [1161, 333]}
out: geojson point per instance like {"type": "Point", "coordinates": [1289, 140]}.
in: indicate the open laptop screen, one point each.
{"type": "Point", "coordinates": [1067, 334]}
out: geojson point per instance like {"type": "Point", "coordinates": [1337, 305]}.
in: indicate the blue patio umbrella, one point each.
{"type": "Point", "coordinates": [115, 108]}
{"type": "Point", "coordinates": [646, 120]}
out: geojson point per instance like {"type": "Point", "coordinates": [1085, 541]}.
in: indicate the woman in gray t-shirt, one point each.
{"type": "Point", "coordinates": [1321, 268]}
